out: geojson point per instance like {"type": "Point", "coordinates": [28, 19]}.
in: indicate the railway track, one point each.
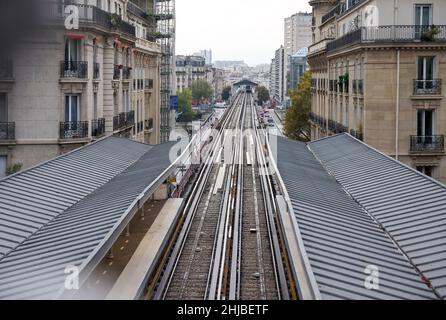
{"type": "Point", "coordinates": [227, 247]}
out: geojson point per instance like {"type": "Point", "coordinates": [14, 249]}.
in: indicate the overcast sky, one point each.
{"type": "Point", "coordinates": [249, 30]}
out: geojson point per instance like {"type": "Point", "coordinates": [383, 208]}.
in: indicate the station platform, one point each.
{"type": "Point", "coordinates": [131, 282]}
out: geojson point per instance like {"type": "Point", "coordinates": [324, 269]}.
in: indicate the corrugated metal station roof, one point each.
{"type": "Point", "coordinates": [30, 199]}
{"type": "Point", "coordinates": [410, 206]}
{"type": "Point", "coordinates": [80, 234]}
{"type": "Point", "coordinates": [341, 239]}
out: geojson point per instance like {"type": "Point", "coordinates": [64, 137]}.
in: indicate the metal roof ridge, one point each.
{"type": "Point", "coordinates": [379, 152]}
{"type": "Point", "coordinates": [400, 249]}
{"type": "Point", "coordinates": [75, 203]}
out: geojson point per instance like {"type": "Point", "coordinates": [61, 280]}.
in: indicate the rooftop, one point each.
{"type": "Point", "coordinates": [70, 210]}
{"type": "Point", "coordinates": [355, 207]}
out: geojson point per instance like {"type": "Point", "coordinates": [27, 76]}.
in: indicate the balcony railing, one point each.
{"type": "Point", "coordinates": [88, 16]}
{"type": "Point", "coordinates": [98, 127]}
{"type": "Point", "coordinates": [73, 130]}
{"type": "Point", "coordinates": [74, 69]}
{"type": "Point", "coordinates": [427, 87]}
{"type": "Point", "coordinates": [7, 131]}
{"type": "Point", "coordinates": [117, 72]}
{"type": "Point", "coordinates": [398, 33]}
{"type": "Point", "coordinates": [428, 144]}
{"type": "Point", "coordinates": [334, 12]}
{"type": "Point", "coordinates": [96, 70]}
{"type": "Point", "coordinates": [6, 69]}
{"type": "Point", "coordinates": [126, 73]}
{"type": "Point", "coordinates": [123, 120]}
{"type": "Point", "coordinates": [130, 118]}
{"type": "Point", "coordinates": [137, 11]}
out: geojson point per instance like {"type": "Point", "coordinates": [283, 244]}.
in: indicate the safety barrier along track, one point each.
{"type": "Point", "coordinates": [227, 246]}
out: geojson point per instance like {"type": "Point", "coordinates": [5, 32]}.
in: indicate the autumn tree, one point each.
{"type": "Point", "coordinates": [185, 113]}
{"type": "Point", "coordinates": [262, 95]}
{"type": "Point", "coordinates": [226, 93]}
{"type": "Point", "coordinates": [297, 125]}
{"type": "Point", "coordinates": [201, 89]}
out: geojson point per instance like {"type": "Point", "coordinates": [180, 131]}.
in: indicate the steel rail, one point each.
{"type": "Point", "coordinates": [190, 210]}
{"type": "Point", "coordinates": [271, 211]}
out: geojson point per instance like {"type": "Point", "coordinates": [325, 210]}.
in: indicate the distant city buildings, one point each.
{"type": "Point", "coordinates": [289, 62]}
{"type": "Point", "coordinates": [193, 68]}
{"type": "Point", "coordinates": [297, 32]}
{"type": "Point", "coordinates": [298, 65]}
{"type": "Point", "coordinates": [206, 54]}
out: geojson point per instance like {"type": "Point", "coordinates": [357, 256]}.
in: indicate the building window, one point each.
{"type": "Point", "coordinates": [3, 107]}
{"type": "Point", "coordinates": [425, 123]}
{"type": "Point", "coordinates": [427, 170]}
{"type": "Point", "coordinates": [426, 72]}
{"type": "Point", "coordinates": [423, 15]}
{"type": "Point", "coordinates": [115, 104]}
{"type": "Point", "coordinates": [72, 50]}
{"type": "Point", "coordinates": [2, 166]}
{"type": "Point", "coordinates": [95, 105]}
{"type": "Point", "coordinates": [72, 108]}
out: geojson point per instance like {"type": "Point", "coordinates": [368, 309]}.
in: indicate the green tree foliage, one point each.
{"type": "Point", "coordinates": [262, 95]}
{"type": "Point", "coordinates": [201, 89]}
{"type": "Point", "coordinates": [226, 93]}
{"type": "Point", "coordinates": [297, 125]}
{"type": "Point", "coordinates": [184, 106]}
{"type": "Point", "coordinates": [16, 167]}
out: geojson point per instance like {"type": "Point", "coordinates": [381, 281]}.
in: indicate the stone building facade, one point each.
{"type": "Point", "coordinates": [377, 70]}
{"type": "Point", "coordinates": [62, 86]}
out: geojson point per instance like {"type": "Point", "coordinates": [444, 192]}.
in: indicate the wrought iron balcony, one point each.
{"type": "Point", "coordinates": [7, 131]}
{"type": "Point", "coordinates": [126, 73]}
{"type": "Point", "coordinates": [117, 72]}
{"type": "Point", "coordinates": [74, 69]}
{"type": "Point", "coordinates": [130, 118]}
{"type": "Point", "coordinates": [136, 10]}
{"type": "Point", "coordinates": [428, 144]}
{"type": "Point", "coordinates": [98, 127]}
{"type": "Point", "coordinates": [73, 130]}
{"type": "Point", "coordinates": [123, 120]}
{"type": "Point", "coordinates": [427, 87]}
{"type": "Point", "coordinates": [392, 34]}
{"type": "Point", "coordinates": [96, 70]}
{"type": "Point", "coordinates": [6, 69]}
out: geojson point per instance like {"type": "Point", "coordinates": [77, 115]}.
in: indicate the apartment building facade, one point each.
{"type": "Point", "coordinates": [377, 70]}
{"type": "Point", "coordinates": [190, 69]}
{"type": "Point", "coordinates": [61, 87]}
{"type": "Point", "coordinates": [278, 76]}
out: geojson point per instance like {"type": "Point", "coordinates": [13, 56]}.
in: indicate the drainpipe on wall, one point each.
{"type": "Point", "coordinates": [397, 125]}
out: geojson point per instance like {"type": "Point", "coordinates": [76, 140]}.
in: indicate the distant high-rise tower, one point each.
{"type": "Point", "coordinates": [206, 54]}
{"type": "Point", "coordinates": [297, 32]}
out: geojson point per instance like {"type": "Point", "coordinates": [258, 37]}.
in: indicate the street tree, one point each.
{"type": "Point", "coordinates": [184, 106]}
{"type": "Point", "coordinates": [226, 93]}
{"type": "Point", "coordinates": [262, 95]}
{"type": "Point", "coordinates": [297, 125]}
{"type": "Point", "coordinates": [201, 90]}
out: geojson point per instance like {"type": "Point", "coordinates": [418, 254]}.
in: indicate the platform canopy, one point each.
{"type": "Point", "coordinates": [359, 210]}
{"type": "Point", "coordinates": [70, 210]}
{"type": "Point", "coordinates": [245, 82]}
